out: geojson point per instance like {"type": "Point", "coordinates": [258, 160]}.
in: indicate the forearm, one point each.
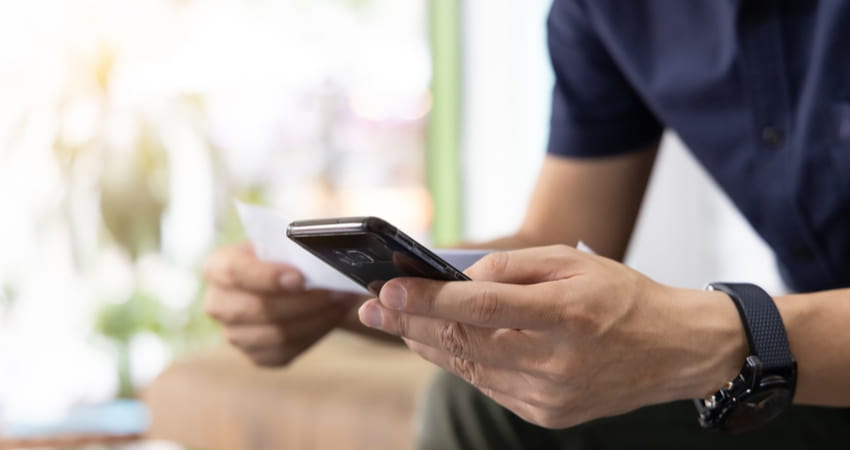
{"type": "Point", "coordinates": [594, 200]}
{"type": "Point", "coordinates": [818, 327]}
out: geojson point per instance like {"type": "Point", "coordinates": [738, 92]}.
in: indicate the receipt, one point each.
{"type": "Point", "coordinates": [585, 248]}
{"type": "Point", "coordinates": [267, 231]}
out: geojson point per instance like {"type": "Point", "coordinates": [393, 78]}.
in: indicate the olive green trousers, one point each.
{"type": "Point", "coordinates": [456, 416]}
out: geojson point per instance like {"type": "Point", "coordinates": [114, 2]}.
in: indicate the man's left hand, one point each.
{"type": "Point", "coordinates": [561, 337]}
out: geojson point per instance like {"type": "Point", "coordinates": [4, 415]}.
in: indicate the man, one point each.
{"type": "Point", "coordinates": [570, 350]}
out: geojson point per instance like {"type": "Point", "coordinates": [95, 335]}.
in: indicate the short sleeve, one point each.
{"type": "Point", "coordinates": [595, 110]}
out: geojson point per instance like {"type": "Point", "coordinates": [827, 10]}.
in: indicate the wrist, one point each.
{"type": "Point", "coordinates": [796, 316]}
{"type": "Point", "coordinates": [718, 342]}
{"type": "Point", "coordinates": [766, 384]}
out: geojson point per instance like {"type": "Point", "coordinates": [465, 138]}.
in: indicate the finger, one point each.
{"type": "Point", "coordinates": [232, 307]}
{"type": "Point", "coordinates": [526, 266]}
{"type": "Point", "coordinates": [499, 347]}
{"type": "Point", "coordinates": [284, 354]}
{"type": "Point", "coordinates": [511, 383]}
{"type": "Point", "coordinates": [272, 357]}
{"type": "Point", "coordinates": [296, 333]}
{"type": "Point", "coordinates": [481, 303]}
{"type": "Point", "coordinates": [237, 267]}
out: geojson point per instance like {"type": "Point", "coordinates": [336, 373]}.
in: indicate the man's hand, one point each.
{"type": "Point", "coordinates": [562, 337]}
{"type": "Point", "coordinates": [264, 308]}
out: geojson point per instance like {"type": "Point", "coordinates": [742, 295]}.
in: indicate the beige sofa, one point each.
{"type": "Point", "coordinates": [346, 393]}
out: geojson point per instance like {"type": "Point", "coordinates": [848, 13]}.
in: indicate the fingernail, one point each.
{"type": "Point", "coordinates": [290, 281]}
{"type": "Point", "coordinates": [393, 296]}
{"type": "Point", "coordinates": [370, 315]}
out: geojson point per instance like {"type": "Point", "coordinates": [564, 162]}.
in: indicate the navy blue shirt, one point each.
{"type": "Point", "coordinates": [758, 90]}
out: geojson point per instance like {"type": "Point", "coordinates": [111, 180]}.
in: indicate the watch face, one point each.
{"type": "Point", "coordinates": [758, 408]}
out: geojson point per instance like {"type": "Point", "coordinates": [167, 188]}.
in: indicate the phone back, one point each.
{"type": "Point", "coordinates": [370, 251]}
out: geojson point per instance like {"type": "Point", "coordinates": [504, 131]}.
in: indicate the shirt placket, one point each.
{"type": "Point", "coordinates": [765, 77]}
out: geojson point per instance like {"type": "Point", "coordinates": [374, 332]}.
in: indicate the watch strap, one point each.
{"type": "Point", "coordinates": [762, 323]}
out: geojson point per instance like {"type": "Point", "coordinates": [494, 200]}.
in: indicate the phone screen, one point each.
{"type": "Point", "coordinates": [372, 257]}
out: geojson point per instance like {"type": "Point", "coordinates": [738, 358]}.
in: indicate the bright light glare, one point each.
{"type": "Point", "coordinates": [232, 95]}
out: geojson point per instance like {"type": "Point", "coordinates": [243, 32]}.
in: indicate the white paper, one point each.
{"type": "Point", "coordinates": [585, 248]}
{"type": "Point", "coordinates": [267, 231]}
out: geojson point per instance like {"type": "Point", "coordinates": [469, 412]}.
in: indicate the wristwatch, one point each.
{"type": "Point", "coordinates": [765, 387]}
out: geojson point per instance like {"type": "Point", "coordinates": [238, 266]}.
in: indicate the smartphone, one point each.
{"type": "Point", "coordinates": [370, 251]}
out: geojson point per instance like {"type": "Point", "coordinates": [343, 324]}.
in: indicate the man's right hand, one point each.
{"type": "Point", "coordinates": [264, 308]}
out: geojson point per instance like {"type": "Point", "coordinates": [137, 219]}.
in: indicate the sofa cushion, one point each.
{"type": "Point", "coordinates": [345, 393]}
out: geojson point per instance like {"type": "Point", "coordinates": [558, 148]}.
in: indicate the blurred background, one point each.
{"type": "Point", "coordinates": [128, 128]}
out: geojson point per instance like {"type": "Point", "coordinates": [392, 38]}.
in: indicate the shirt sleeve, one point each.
{"type": "Point", "coordinates": [595, 110]}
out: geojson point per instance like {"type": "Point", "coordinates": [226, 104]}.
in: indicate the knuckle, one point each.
{"type": "Point", "coordinates": [560, 399]}
{"type": "Point", "coordinates": [269, 360]}
{"type": "Point", "coordinates": [399, 323]}
{"type": "Point", "coordinates": [211, 308]}
{"type": "Point", "coordinates": [227, 271]}
{"type": "Point", "coordinates": [241, 309]}
{"type": "Point", "coordinates": [580, 317]}
{"type": "Point", "coordinates": [496, 263]}
{"type": "Point", "coordinates": [465, 369]}
{"type": "Point", "coordinates": [214, 306]}
{"type": "Point", "coordinates": [255, 308]}
{"type": "Point", "coordinates": [281, 336]}
{"type": "Point", "coordinates": [216, 262]}
{"type": "Point", "coordinates": [567, 315]}
{"type": "Point", "coordinates": [232, 338]}
{"type": "Point", "coordinates": [487, 391]}
{"type": "Point", "coordinates": [561, 372]}
{"type": "Point", "coordinates": [549, 420]}
{"type": "Point", "coordinates": [486, 306]}
{"type": "Point", "coordinates": [546, 394]}
{"type": "Point", "coordinates": [554, 419]}
{"type": "Point", "coordinates": [557, 252]}
{"type": "Point", "coordinates": [209, 267]}
{"type": "Point", "coordinates": [543, 398]}
{"type": "Point", "coordinates": [270, 278]}
{"type": "Point", "coordinates": [560, 377]}
{"type": "Point", "coordinates": [561, 248]}
{"type": "Point", "coordinates": [454, 339]}
{"type": "Point", "coordinates": [588, 325]}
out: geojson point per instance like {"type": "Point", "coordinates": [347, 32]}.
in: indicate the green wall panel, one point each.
{"type": "Point", "coordinates": [443, 162]}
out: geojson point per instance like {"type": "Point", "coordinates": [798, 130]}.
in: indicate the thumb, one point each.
{"type": "Point", "coordinates": [237, 267]}
{"type": "Point", "coordinates": [527, 266]}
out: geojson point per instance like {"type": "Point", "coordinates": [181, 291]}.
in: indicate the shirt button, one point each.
{"type": "Point", "coordinates": [772, 136]}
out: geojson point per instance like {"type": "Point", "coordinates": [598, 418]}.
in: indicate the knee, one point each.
{"type": "Point", "coordinates": [446, 397]}
{"type": "Point", "coordinates": [448, 401]}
